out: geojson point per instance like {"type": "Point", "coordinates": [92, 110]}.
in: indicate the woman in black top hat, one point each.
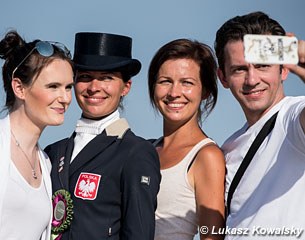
{"type": "Point", "coordinates": [108, 177]}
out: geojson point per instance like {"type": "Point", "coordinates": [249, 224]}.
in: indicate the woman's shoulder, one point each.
{"type": "Point", "coordinates": [138, 141]}
{"type": "Point", "coordinates": [4, 122]}
{"type": "Point", "coordinates": [210, 154]}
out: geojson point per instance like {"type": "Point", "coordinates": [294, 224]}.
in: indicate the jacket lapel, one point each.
{"type": "Point", "coordinates": [114, 131]}
{"type": "Point", "coordinates": [93, 148]}
{"type": "Point", "coordinates": [66, 158]}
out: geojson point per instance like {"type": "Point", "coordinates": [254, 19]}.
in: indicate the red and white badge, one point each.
{"type": "Point", "coordinates": [87, 186]}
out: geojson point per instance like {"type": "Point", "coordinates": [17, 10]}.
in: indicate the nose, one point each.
{"type": "Point", "coordinates": [65, 96]}
{"type": "Point", "coordinates": [94, 85]}
{"type": "Point", "coordinates": [175, 90]}
{"type": "Point", "coordinates": [252, 78]}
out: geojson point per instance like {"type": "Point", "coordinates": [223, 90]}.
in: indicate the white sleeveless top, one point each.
{"type": "Point", "coordinates": [176, 217]}
{"type": "Point", "coordinates": [25, 210]}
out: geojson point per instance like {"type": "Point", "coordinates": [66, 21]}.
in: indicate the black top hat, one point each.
{"type": "Point", "coordinates": [104, 52]}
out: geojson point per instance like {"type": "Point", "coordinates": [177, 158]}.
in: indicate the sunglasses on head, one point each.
{"type": "Point", "coordinates": [46, 49]}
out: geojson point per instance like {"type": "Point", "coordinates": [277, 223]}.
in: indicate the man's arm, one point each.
{"type": "Point", "coordinates": [299, 70]}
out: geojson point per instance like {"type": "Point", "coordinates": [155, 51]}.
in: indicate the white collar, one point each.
{"type": "Point", "coordinates": [95, 127]}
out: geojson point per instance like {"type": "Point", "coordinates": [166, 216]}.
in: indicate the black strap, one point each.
{"type": "Point", "coordinates": [194, 158]}
{"type": "Point", "coordinates": [267, 128]}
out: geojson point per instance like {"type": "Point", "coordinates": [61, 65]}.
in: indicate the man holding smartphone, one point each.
{"type": "Point", "coordinates": [265, 168]}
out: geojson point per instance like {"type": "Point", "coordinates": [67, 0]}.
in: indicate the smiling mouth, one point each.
{"type": "Point", "coordinates": [254, 92]}
{"type": "Point", "coordinates": [94, 99]}
{"type": "Point", "coordinates": [175, 105]}
{"type": "Point", "coordinates": [59, 110]}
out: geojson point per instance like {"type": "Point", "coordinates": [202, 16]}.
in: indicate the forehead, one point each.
{"type": "Point", "coordinates": [179, 64]}
{"type": "Point", "coordinates": [234, 52]}
{"type": "Point", "coordinates": [56, 70]}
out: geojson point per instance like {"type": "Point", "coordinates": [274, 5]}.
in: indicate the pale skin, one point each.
{"type": "Point", "coordinates": [38, 105]}
{"type": "Point", "coordinates": [178, 94]}
{"type": "Point", "coordinates": [99, 93]}
{"type": "Point", "coordinates": [257, 87]}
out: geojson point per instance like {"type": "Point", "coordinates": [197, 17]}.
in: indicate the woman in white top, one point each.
{"type": "Point", "coordinates": [37, 79]}
{"type": "Point", "coordinates": [182, 79]}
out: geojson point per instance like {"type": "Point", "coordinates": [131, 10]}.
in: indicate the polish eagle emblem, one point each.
{"type": "Point", "coordinates": [87, 186]}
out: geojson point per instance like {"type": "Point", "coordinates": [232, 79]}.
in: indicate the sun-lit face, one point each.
{"type": "Point", "coordinates": [178, 90]}
{"type": "Point", "coordinates": [99, 93]}
{"type": "Point", "coordinates": [256, 87]}
{"type": "Point", "coordinates": [48, 97]}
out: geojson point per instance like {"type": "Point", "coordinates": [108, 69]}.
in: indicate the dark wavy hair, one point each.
{"type": "Point", "coordinates": [235, 29]}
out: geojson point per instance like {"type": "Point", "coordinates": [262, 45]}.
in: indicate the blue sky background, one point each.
{"type": "Point", "coordinates": [150, 24]}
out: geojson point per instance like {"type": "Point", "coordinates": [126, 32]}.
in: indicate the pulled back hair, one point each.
{"type": "Point", "coordinates": [235, 29]}
{"type": "Point", "coordinates": [13, 49]}
{"type": "Point", "coordinates": [199, 52]}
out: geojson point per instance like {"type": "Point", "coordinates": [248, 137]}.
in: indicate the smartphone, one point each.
{"type": "Point", "coordinates": [270, 49]}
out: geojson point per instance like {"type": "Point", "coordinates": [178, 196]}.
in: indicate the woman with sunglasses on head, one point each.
{"type": "Point", "coordinates": [181, 79]}
{"type": "Point", "coordinates": [38, 78]}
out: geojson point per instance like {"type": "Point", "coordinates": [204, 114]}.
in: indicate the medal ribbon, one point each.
{"type": "Point", "coordinates": [62, 207]}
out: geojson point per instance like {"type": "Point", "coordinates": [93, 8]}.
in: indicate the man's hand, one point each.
{"type": "Point", "coordinates": [299, 69]}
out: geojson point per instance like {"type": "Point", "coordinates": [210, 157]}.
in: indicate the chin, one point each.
{"type": "Point", "coordinates": [174, 119]}
{"type": "Point", "coordinates": [57, 122]}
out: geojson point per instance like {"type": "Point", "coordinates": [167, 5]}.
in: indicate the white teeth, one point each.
{"type": "Point", "coordinates": [175, 105]}
{"type": "Point", "coordinates": [254, 92]}
{"type": "Point", "coordinates": [94, 99]}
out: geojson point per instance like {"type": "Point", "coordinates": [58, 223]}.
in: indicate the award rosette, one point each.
{"type": "Point", "coordinates": [62, 213]}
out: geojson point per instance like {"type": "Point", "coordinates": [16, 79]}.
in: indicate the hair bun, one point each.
{"type": "Point", "coordinates": [11, 41]}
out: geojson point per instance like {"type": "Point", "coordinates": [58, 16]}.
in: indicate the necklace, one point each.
{"type": "Point", "coordinates": [33, 167]}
